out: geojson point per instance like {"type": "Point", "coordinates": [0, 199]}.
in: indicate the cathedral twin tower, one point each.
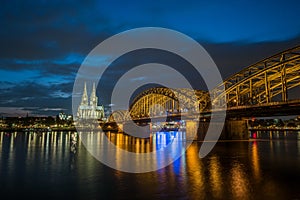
{"type": "Point", "coordinates": [90, 110]}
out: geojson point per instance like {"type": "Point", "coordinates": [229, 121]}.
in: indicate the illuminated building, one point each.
{"type": "Point", "coordinates": [90, 109]}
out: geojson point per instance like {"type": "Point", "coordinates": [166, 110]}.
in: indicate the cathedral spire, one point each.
{"type": "Point", "coordinates": [84, 99]}
{"type": "Point", "coordinates": [93, 97]}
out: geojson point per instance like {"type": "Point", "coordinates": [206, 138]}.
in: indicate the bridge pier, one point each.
{"type": "Point", "coordinates": [191, 130]}
{"type": "Point", "coordinates": [234, 129]}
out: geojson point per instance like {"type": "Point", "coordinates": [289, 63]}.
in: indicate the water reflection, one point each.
{"type": "Point", "coordinates": [239, 182]}
{"type": "Point", "coordinates": [255, 161]}
{"type": "Point", "coordinates": [215, 177]}
{"type": "Point", "coordinates": [275, 134]}
{"type": "Point", "coordinates": [195, 172]}
{"type": "Point", "coordinates": [57, 162]}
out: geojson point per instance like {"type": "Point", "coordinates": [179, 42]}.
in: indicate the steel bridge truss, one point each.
{"type": "Point", "coordinates": [161, 101]}
{"type": "Point", "coordinates": [264, 82]}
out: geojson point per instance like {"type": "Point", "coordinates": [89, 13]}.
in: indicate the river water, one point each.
{"type": "Point", "coordinates": [56, 165]}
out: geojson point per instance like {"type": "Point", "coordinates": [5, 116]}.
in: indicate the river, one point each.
{"type": "Point", "coordinates": [56, 165]}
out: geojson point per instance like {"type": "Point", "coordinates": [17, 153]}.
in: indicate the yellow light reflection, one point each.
{"type": "Point", "coordinates": [215, 177]}
{"type": "Point", "coordinates": [195, 171]}
{"type": "Point", "coordinates": [239, 183]}
{"type": "Point", "coordinates": [255, 162]}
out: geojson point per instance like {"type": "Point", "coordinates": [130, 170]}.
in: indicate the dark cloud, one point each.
{"type": "Point", "coordinates": [233, 57]}
{"type": "Point", "coordinates": [39, 30]}
{"type": "Point", "coordinates": [38, 97]}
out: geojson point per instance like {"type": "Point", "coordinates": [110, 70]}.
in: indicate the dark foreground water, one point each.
{"type": "Point", "coordinates": [54, 166]}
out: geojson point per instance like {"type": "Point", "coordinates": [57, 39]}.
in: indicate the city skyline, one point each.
{"type": "Point", "coordinates": [44, 43]}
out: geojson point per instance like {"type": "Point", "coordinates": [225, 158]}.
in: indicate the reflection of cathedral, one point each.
{"type": "Point", "coordinates": [90, 110]}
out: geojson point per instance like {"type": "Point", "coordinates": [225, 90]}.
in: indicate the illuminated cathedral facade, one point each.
{"type": "Point", "coordinates": [89, 108]}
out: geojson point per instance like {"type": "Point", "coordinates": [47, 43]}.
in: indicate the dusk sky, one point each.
{"type": "Point", "coordinates": [44, 42]}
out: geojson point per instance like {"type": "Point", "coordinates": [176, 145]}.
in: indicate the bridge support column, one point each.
{"type": "Point", "coordinates": [236, 129]}
{"type": "Point", "coordinates": [120, 127]}
{"type": "Point", "coordinates": [233, 129]}
{"type": "Point", "coordinates": [191, 130]}
{"type": "Point", "coordinates": [137, 130]}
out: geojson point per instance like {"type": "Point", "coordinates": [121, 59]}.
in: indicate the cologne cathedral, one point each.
{"type": "Point", "coordinates": [90, 109]}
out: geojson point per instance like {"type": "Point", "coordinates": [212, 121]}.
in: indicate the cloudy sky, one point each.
{"type": "Point", "coordinates": [44, 42]}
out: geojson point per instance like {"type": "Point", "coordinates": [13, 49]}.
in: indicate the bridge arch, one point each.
{"type": "Point", "coordinates": [119, 116]}
{"type": "Point", "coordinates": [161, 101]}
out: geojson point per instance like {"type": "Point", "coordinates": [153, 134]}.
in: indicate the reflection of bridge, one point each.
{"type": "Point", "coordinates": [260, 89]}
